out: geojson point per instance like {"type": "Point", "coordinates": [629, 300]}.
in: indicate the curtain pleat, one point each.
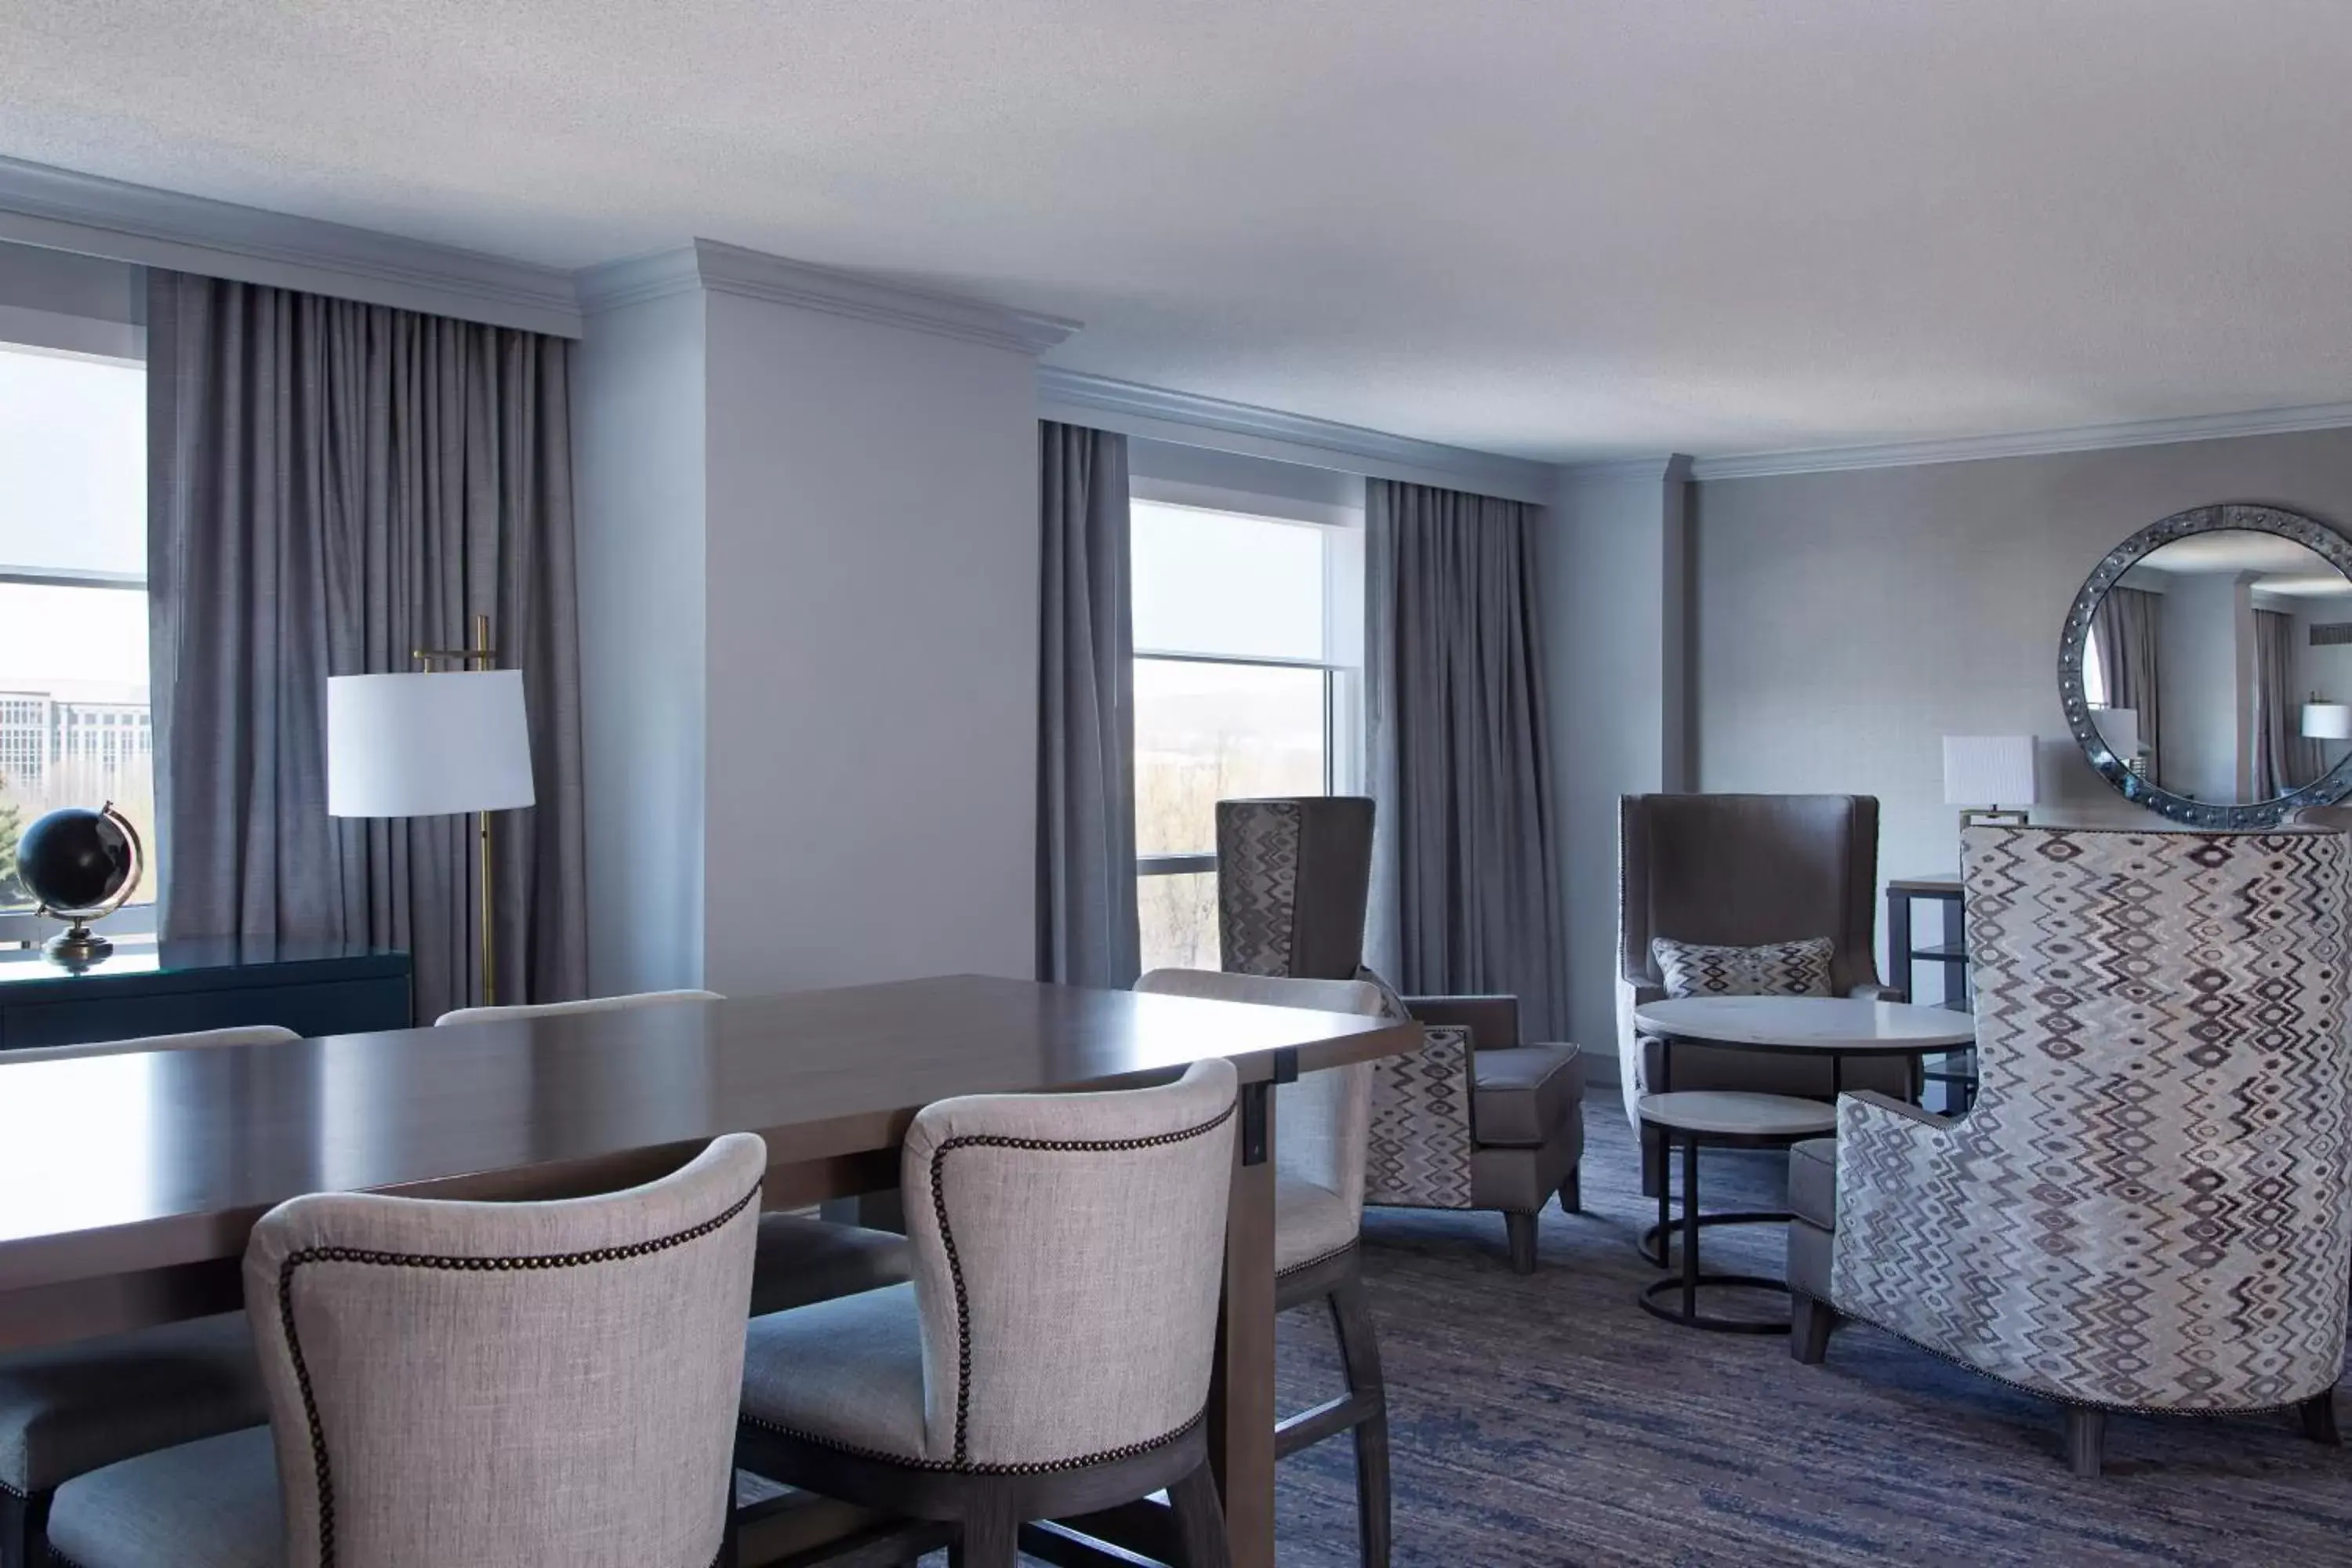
{"type": "Point", "coordinates": [1466, 889]}
{"type": "Point", "coordinates": [1087, 929]}
{"type": "Point", "coordinates": [2124, 626]}
{"type": "Point", "coordinates": [331, 486]}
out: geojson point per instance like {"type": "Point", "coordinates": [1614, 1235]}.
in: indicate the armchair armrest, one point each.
{"type": "Point", "coordinates": [1901, 1218]}
{"type": "Point", "coordinates": [1493, 1022]}
{"type": "Point", "coordinates": [1877, 991]}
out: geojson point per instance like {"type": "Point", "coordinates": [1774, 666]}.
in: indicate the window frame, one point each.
{"type": "Point", "coordinates": [29, 927]}
{"type": "Point", "coordinates": [1340, 664]}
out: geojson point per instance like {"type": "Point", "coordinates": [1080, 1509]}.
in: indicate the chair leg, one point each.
{"type": "Point", "coordinates": [2318, 1414]}
{"type": "Point", "coordinates": [1359, 1353]}
{"type": "Point", "coordinates": [24, 1529]}
{"type": "Point", "coordinates": [1522, 1230]}
{"type": "Point", "coordinates": [2086, 1440]}
{"type": "Point", "coordinates": [1653, 1163]}
{"type": "Point", "coordinates": [1571, 1191]}
{"type": "Point", "coordinates": [1200, 1521]}
{"type": "Point", "coordinates": [990, 1533]}
{"type": "Point", "coordinates": [1809, 1322]}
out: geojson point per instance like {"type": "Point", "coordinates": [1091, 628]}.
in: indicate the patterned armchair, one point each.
{"type": "Point", "coordinates": [2148, 1208]}
{"type": "Point", "coordinates": [1476, 1120]}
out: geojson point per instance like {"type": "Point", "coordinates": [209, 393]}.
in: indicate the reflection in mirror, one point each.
{"type": "Point", "coordinates": [2219, 667]}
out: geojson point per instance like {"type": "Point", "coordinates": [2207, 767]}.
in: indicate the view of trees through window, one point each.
{"type": "Point", "coordinates": [74, 725]}
{"type": "Point", "coordinates": [1235, 695]}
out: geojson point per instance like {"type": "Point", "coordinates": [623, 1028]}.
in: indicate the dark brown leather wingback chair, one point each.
{"type": "Point", "coordinates": [1478, 1119]}
{"type": "Point", "coordinates": [1741, 870]}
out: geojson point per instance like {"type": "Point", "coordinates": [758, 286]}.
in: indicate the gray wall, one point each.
{"type": "Point", "coordinates": [1610, 573]}
{"type": "Point", "coordinates": [1845, 622]}
{"type": "Point", "coordinates": [873, 651]}
{"type": "Point", "coordinates": [2204, 654]}
{"type": "Point", "coordinates": [639, 402]}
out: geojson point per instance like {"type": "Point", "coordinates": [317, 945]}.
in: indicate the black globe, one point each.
{"type": "Point", "coordinates": [73, 858]}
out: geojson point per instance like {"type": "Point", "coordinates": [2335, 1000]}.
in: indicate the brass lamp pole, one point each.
{"type": "Point", "coordinates": [480, 656]}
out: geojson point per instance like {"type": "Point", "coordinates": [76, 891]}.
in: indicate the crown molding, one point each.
{"type": "Point", "coordinates": [1190, 419]}
{"type": "Point", "coordinates": [58, 209]}
{"type": "Point", "coordinates": [719, 269]}
{"type": "Point", "coordinates": [2028, 443]}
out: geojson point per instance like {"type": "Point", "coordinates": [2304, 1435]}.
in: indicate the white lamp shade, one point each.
{"type": "Point", "coordinates": [1989, 770]}
{"type": "Point", "coordinates": [2326, 721]}
{"type": "Point", "coordinates": [426, 745]}
{"type": "Point", "coordinates": [2119, 727]}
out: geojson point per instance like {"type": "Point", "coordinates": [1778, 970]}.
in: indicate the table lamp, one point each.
{"type": "Point", "coordinates": [438, 742]}
{"type": "Point", "coordinates": [1990, 775]}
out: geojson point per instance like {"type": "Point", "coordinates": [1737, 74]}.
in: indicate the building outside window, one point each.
{"type": "Point", "coordinates": [74, 719]}
{"type": "Point", "coordinates": [1247, 682]}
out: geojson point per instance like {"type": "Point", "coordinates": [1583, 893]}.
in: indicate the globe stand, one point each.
{"type": "Point", "coordinates": [76, 944]}
{"type": "Point", "coordinates": [66, 860]}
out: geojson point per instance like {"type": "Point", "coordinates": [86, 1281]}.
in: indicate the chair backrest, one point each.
{"type": "Point", "coordinates": [635, 999]}
{"type": "Point", "coordinates": [1323, 1118]}
{"type": "Point", "coordinates": [1294, 878]}
{"type": "Point", "coordinates": [532, 1385]}
{"type": "Point", "coordinates": [2150, 1203]}
{"type": "Point", "coordinates": [1069, 1251]}
{"type": "Point", "coordinates": [248, 1035]}
{"type": "Point", "coordinates": [1741, 870]}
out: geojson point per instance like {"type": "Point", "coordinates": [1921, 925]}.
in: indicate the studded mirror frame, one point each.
{"type": "Point", "coordinates": [2308, 531]}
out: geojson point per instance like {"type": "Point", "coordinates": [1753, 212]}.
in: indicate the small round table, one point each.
{"type": "Point", "coordinates": [1718, 1119]}
{"type": "Point", "coordinates": [1833, 1027]}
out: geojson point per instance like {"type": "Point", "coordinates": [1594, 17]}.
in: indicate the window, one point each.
{"type": "Point", "coordinates": [74, 727]}
{"type": "Point", "coordinates": [1246, 684]}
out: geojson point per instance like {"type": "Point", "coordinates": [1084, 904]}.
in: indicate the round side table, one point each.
{"type": "Point", "coordinates": [1713, 1119]}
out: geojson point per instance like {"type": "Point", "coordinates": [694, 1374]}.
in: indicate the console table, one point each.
{"type": "Point", "coordinates": [1956, 1073]}
{"type": "Point", "coordinates": [201, 983]}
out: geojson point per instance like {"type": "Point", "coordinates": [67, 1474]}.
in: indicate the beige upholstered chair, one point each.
{"type": "Point", "coordinates": [2146, 1207]}
{"type": "Point", "coordinates": [1477, 1119]}
{"type": "Point", "coordinates": [544, 1384]}
{"type": "Point", "coordinates": [1051, 1356]}
{"type": "Point", "coordinates": [625, 1004]}
{"type": "Point", "coordinates": [197, 1039]}
{"type": "Point", "coordinates": [1321, 1124]}
{"type": "Point", "coordinates": [1745, 870]}
{"type": "Point", "coordinates": [72, 1408]}
{"type": "Point", "coordinates": [802, 1258]}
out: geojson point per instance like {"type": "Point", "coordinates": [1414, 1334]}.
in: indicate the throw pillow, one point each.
{"type": "Point", "coordinates": [1776, 969]}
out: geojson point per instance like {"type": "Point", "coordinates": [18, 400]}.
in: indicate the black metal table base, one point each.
{"type": "Point", "coordinates": [1690, 1280]}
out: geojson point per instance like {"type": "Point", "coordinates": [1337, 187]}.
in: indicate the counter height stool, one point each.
{"type": "Point", "coordinates": [802, 1258]}
{"type": "Point", "coordinates": [1051, 1356]}
{"type": "Point", "coordinates": [70, 1408]}
{"type": "Point", "coordinates": [1322, 1124]}
{"type": "Point", "coordinates": [469, 1384]}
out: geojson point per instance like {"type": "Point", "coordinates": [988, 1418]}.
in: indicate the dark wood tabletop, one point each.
{"type": "Point", "coordinates": [110, 1163]}
{"type": "Point", "coordinates": [129, 1183]}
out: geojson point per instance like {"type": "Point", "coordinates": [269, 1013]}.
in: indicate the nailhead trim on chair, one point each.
{"type": "Point", "coordinates": [1043, 1468]}
{"type": "Point", "coordinates": [465, 1265]}
{"type": "Point", "coordinates": [955, 1265]}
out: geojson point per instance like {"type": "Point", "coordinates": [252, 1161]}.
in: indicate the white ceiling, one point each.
{"type": "Point", "coordinates": [2276, 565]}
{"type": "Point", "coordinates": [1560, 230]}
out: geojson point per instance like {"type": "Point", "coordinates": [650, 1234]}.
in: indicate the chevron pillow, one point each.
{"type": "Point", "coordinates": [1776, 969]}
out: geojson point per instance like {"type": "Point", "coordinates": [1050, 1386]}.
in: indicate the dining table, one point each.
{"type": "Point", "coordinates": [129, 1183]}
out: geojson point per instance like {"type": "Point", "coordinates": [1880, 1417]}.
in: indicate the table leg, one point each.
{"type": "Point", "coordinates": [1690, 1229]}
{"type": "Point", "coordinates": [1241, 1389]}
{"type": "Point", "coordinates": [1898, 942]}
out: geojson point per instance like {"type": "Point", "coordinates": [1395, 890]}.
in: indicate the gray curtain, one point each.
{"type": "Point", "coordinates": [332, 485]}
{"type": "Point", "coordinates": [2124, 627]}
{"type": "Point", "coordinates": [2283, 759]}
{"type": "Point", "coordinates": [1087, 932]}
{"type": "Point", "coordinates": [1465, 889]}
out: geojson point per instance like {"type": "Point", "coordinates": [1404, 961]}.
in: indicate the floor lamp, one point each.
{"type": "Point", "coordinates": [438, 742]}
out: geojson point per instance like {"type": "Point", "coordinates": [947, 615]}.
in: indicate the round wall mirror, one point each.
{"type": "Point", "coordinates": [2206, 667]}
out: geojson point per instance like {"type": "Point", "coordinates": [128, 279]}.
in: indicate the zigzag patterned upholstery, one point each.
{"type": "Point", "coordinates": [1475, 1119]}
{"type": "Point", "coordinates": [2149, 1207]}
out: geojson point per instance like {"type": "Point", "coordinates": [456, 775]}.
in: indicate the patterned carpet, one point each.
{"type": "Point", "coordinates": [1549, 1420]}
